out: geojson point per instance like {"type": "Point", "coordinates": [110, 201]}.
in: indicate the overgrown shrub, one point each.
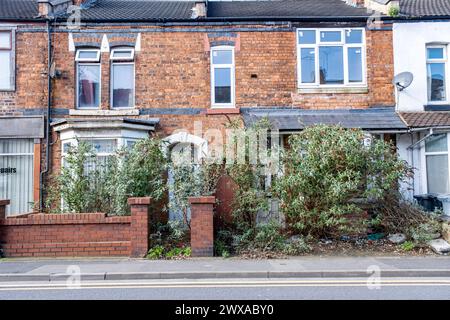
{"type": "Point", "coordinates": [192, 180]}
{"type": "Point", "coordinates": [325, 169]}
{"type": "Point", "coordinates": [395, 215]}
{"type": "Point", "coordinates": [250, 193]}
{"type": "Point", "coordinates": [170, 241]}
{"type": "Point", "coordinates": [87, 184]}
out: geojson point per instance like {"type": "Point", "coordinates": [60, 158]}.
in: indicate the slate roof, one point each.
{"type": "Point", "coordinates": [426, 119]}
{"type": "Point", "coordinates": [143, 10]}
{"type": "Point", "coordinates": [284, 8]}
{"type": "Point", "coordinates": [421, 8]}
{"type": "Point", "coordinates": [18, 9]}
{"type": "Point", "coordinates": [298, 119]}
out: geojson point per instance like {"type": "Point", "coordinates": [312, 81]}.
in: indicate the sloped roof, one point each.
{"type": "Point", "coordinates": [284, 8]}
{"type": "Point", "coordinates": [18, 9]}
{"type": "Point", "coordinates": [421, 8]}
{"type": "Point", "coordinates": [298, 119]}
{"type": "Point", "coordinates": [144, 10]}
{"type": "Point", "coordinates": [426, 119]}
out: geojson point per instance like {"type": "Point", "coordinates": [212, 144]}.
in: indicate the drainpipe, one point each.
{"type": "Point", "coordinates": [48, 114]}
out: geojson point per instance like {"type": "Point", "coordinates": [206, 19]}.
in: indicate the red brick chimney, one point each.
{"type": "Point", "coordinates": [51, 7]}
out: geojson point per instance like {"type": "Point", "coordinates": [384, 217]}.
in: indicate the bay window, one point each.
{"type": "Point", "coordinates": [6, 61]}
{"type": "Point", "coordinates": [122, 78]}
{"type": "Point", "coordinates": [222, 77]}
{"type": "Point", "coordinates": [436, 73]}
{"type": "Point", "coordinates": [331, 57]}
{"type": "Point", "coordinates": [88, 78]}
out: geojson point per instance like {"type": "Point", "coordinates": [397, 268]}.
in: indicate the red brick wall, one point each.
{"type": "Point", "coordinates": [202, 228]}
{"type": "Point", "coordinates": [75, 235]}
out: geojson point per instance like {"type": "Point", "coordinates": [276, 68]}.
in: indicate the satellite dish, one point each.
{"type": "Point", "coordinates": [403, 80]}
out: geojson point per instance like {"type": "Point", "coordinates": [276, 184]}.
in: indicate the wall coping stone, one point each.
{"type": "Point", "coordinates": [139, 201]}
{"type": "Point", "coordinates": [202, 200]}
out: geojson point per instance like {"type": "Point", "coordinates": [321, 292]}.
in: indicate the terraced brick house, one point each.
{"type": "Point", "coordinates": [115, 71]}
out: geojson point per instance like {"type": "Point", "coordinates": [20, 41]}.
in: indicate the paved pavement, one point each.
{"type": "Point", "coordinates": [301, 267]}
{"type": "Point", "coordinates": [234, 289]}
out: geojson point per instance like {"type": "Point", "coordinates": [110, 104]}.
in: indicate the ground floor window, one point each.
{"type": "Point", "coordinates": [437, 166]}
{"type": "Point", "coordinates": [16, 174]}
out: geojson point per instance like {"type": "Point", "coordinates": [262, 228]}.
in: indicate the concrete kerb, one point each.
{"type": "Point", "coordinates": [110, 276]}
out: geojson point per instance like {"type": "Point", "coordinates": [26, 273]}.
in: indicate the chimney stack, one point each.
{"type": "Point", "coordinates": [200, 9]}
{"type": "Point", "coordinates": [51, 7]}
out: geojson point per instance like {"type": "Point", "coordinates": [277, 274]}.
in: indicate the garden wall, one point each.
{"type": "Point", "coordinates": [76, 235]}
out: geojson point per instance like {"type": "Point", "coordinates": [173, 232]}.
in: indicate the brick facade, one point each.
{"type": "Point", "coordinates": [172, 73]}
{"type": "Point", "coordinates": [202, 227]}
{"type": "Point", "coordinates": [76, 235]}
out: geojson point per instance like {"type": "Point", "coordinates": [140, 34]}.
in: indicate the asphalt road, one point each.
{"type": "Point", "coordinates": [239, 289]}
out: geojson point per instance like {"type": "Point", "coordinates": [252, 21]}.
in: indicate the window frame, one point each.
{"type": "Point", "coordinates": [12, 60]}
{"type": "Point", "coordinates": [425, 154]}
{"type": "Point", "coordinates": [446, 71]}
{"type": "Point", "coordinates": [131, 58]}
{"type": "Point", "coordinates": [87, 62]}
{"type": "Point", "coordinates": [232, 67]}
{"type": "Point", "coordinates": [122, 61]}
{"type": "Point", "coordinates": [345, 46]}
{"type": "Point", "coordinates": [96, 59]}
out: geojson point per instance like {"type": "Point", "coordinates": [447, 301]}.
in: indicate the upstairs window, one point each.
{"type": "Point", "coordinates": [122, 78]}
{"type": "Point", "coordinates": [6, 61]}
{"type": "Point", "coordinates": [222, 77]}
{"type": "Point", "coordinates": [436, 73]}
{"type": "Point", "coordinates": [88, 78]}
{"type": "Point", "coordinates": [331, 57]}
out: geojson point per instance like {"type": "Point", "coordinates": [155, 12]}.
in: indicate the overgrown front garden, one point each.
{"type": "Point", "coordinates": [334, 192]}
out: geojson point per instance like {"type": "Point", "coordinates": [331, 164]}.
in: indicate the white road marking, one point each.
{"type": "Point", "coordinates": [218, 284]}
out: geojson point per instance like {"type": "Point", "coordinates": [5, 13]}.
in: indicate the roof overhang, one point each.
{"type": "Point", "coordinates": [22, 127]}
{"type": "Point", "coordinates": [104, 123]}
{"type": "Point", "coordinates": [291, 120]}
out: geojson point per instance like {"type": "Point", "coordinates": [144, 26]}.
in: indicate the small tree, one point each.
{"type": "Point", "coordinates": [325, 169]}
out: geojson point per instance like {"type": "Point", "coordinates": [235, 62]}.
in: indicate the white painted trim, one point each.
{"type": "Point", "coordinates": [345, 48]}
{"type": "Point", "coordinates": [99, 87]}
{"type": "Point", "coordinates": [232, 67]}
{"type": "Point", "coordinates": [184, 137]}
{"type": "Point", "coordinates": [111, 85]}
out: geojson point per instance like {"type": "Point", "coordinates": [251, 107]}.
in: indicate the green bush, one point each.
{"type": "Point", "coordinates": [407, 246]}
{"type": "Point", "coordinates": [86, 184]}
{"type": "Point", "coordinates": [155, 253]}
{"type": "Point", "coordinates": [394, 11]}
{"type": "Point", "coordinates": [326, 169]}
{"type": "Point", "coordinates": [160, 252]}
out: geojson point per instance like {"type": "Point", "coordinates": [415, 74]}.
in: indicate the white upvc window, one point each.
{"type": "Point", "coordinates": [103, 147]}
{"type": "Point", "coordinates": [437, 74]}
{"type": "Point", "coordinates": [88, 84]}
{"type": "Point", "coordinates": [437, 164]}
{"type": "Point", "coordinates": [6, 61]}
{"type": "Point", "coordinates": [222, 77]}
{"type": "Point", "coordinates": [122, 78]}
{"type": "Point", "coordinates": [331, 57]}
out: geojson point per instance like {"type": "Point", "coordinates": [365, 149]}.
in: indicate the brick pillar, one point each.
{"type": "Point", "coordinates": [139, 226]}
{"type": "Point", "coordinates": [202, 228]}
{"type": "Point", "coordinates": [3, 204]}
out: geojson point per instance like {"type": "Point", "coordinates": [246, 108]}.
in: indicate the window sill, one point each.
{"type": "Point", "coordinates": [334, 90]}
{"type": "Point", "coordinates": [99, 112]}
{"type": "Point", "coordinates": [213, 111]}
